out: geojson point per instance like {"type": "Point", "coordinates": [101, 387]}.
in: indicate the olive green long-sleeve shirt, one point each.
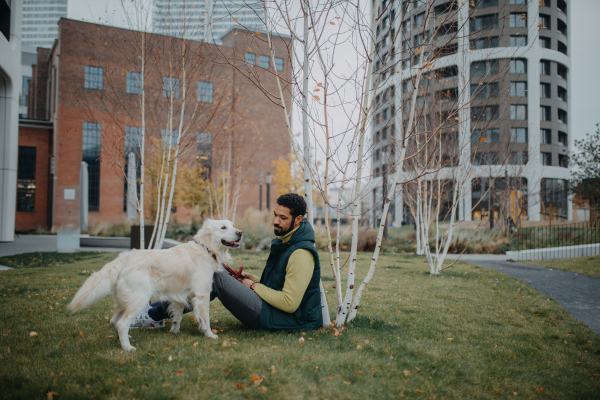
{"type": "Point", "coordinates": [298, 274]}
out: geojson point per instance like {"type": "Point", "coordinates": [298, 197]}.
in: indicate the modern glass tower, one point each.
{"type": "Point", "coordinates": [40, 21]}
{"type": "Point", "coordinates": [511, 60]}
{"type": "Point", "coordinates": [206, 20]}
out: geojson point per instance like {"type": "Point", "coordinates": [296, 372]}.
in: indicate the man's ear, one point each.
{"type": "Point", "coordinates": [298, 221]}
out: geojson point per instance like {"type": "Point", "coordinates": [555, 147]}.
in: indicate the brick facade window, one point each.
{"type": "Point", "coordinates": [91, 155]}
{"type": "Point", "coordinates": [165, 137]}
{"type": "Point", "coordinates": [134, 83]}
{"type": "Point", "coordinates": [251, 58]}
{"type": "Point", "coordinates": [26, 179]}
{"type": "Point", "coordinates": [94, 78]}
{"type": "Point", "coordinates": [205, 92]}
{"type": "Point", "coordinates": [264, 62]}
{"type": "Point", "coordinates": [170, 86]}
{"type": "Point", "coordinates": [279, 64]}
{"type": "Point", "coordinates": [133, 144]}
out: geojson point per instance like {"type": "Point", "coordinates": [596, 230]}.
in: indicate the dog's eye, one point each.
{"type": "Point", "coordinates": [224, 227]}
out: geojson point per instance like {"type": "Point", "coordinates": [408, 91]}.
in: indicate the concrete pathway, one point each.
{"type": "Point", "coordinates": [578, 294]}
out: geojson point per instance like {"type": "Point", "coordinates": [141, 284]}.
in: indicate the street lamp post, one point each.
{"type": "Point", "coordinates": [268, 190]}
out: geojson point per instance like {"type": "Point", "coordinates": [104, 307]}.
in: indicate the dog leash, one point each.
{"type": "Point", "coordinates": [232, 272]}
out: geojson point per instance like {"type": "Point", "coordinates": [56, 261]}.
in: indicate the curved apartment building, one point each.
{"type": "Point", "coordinates": [504, 76]}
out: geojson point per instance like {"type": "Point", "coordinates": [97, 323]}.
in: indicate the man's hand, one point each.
{"type": "Point", "coordinates": [248, 282]}
{"type": "Point", "coordinates": [246, 275]}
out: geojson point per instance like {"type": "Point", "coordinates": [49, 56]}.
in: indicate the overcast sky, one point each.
{"type": "Point", "coordinates": [584, 51]}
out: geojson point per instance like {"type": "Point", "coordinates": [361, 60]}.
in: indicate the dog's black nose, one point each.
{"type": "Point", "coordinates": [239, 233]}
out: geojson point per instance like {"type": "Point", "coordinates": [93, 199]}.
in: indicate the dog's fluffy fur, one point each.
{"type": "Point", "coordinates": [182, 275]}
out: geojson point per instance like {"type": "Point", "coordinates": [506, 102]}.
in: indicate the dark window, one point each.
{"type": "Point", "coordinates": [518, 89]}
{"type": "Point", "coordinates": [561, 5]}
{"type": "Point", "coordinates": [561, 26]}
{"type": "Point", "coordinates": [134, 83]}
{"type": "Point", "coordinates": [485, 43]}
{"type": "Point", "coordinates": [518, 112]}
{"type": "Point", "coordinates": [562, 47]}
{"type": "Point", "coordinates": [545, 21]}
{"type": "Point", "coordinates": [544, 67]}
{"type": "Point", "coordinates": [264, 62]}
{"type": "Point", "coordinates": [518, 40]}
{"type": "Point", "coordinates": [204, 147]}
{"type": "Point", "coordinates": [133, 143]}
{"type": "Point", "coordinates": [561, 70]}
{"type": "Point", "coordinates": [25, 90]}
{"type": "Point", "coordinates": [518, 20]}
{"type": "Point", "coordinates": [251, 58]}
{"type": "Point", "coordinates": [279, 64]}
{"type": "Point", "coordinates": [488, 113]}
{"type": "Point", "coordinates": [546, 136]}
{"type": "Point", "coordinates": [91, 155]}
{"type": "Point", "coordinates": [546, 158]}
{"type": "Point", "coordinates": [562, 116]}
{"type": "Point", "coordinates": [555, 192]}
{"type": "Point", "coordinates": [518, 158]}
{"type": "Point", "coordinates": [485, 90]}
{"type": "Point", "coordinates": [170, 87]}
{"type": "Point", "coordinates": [482, 68]}
{"type": "Point", "coordinates": [563, 139]}
{"type": "Point", "coordinates": [484, 22]}
{"type": "Point", "coordinates": [545, 90]}
{"type": "Point", "coordinates": [94, 78]}
{"type": "Point", "coordinates": [545, 113]}
{"type": "Point", "coordinates": [26, 179]}
{"type": "Point", "coordinates": [518, 135]}
{"type": "Point", "coordinates": [444, 8]}
{"type": "Point", "coordinates": [562, 93]}
{"type": "Point", "coordinates": [5, 17]}
{"type": "Point", "coordinates": [485, 136]}
{"type": "Point", "coordinates": [545, 42]}
{"type": "Point", "coordinates": [419, 20]}
{"type": "Point", "coordinates": [205, 92]}
{"type": "Point", "coordinates": [518, 66]}
{"type": "Point", "coordinates": [563, 161]}
{"type": "Point", "coordinates": [483, 3]}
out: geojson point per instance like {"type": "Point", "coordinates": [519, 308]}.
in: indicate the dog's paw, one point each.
{"type": "Point", "coordinates": [174, 329]}
{"type": "Point", "coordinates": [129, 348]}
{"type": "Point", "coordinates": [211, 335]}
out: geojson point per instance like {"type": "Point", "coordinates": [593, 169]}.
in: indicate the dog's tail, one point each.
{"type": "Point", "coordinates": [97, 286]}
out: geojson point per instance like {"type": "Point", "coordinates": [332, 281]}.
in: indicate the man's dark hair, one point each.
{"type": "Point", "coordinates": [294, 202]}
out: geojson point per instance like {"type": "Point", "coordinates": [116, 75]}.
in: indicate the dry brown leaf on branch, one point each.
{"type": "Point", "coordinates": [331, 23]}
{"type": "Point", "coordinates": [50, 394]}
{"type": "Point", "coordinates": [249, 49]}
{"type": "Point", "coordinates": [321, 85]}
{"type": "Point", "coordinates": [317, 98]}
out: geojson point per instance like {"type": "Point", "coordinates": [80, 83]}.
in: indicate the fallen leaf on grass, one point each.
{"type": "Point", "coordinates": [215, 331]}
{"type": "Point", "coordinates": [50, 394]}
{"type": "Point", "coordinates": [195, 344]}
{"type": "Point", "coordinates": [407, 373]}
{"type": "Point", "coordinates": [61, 343]}
{"type": "Point", "coordinates": [273, 370]}
{"type": "Point", "coordinates": [304, 358]}
{"type": "Point", "coordinates": [106, 318]}
{"type": "Point", "coordinates": [347, 383]}
{"type": "Point", "coordinates": [32, 334]}
{"type": "Point", "coordinates": [81, 334]}
{"type": "Point", "coordinates": [255, 378]}
{"type": "Point", "coordinates": [450, 339]}
{"type": "Point", "coordinates": [110, 336]}
{"type": "Point", "coordinates": [401, 394]}
{"type": "Point", "coordinates": [224, 344]}
{"type": "Point", "coordinates": [119, 380]}
{"type": "Point", "coordinates": [359, 347]}
{"type": "Point", "coordinates": [240, 386]}
{"type": "Point", "coordinates": [301, 340]}
{"type": "Point", "coordinates": [331, 378]}
{"type": "Point", "coordinates": [417, 369]}
{"type": "Point", "coordinates": [263, 389]}
{"type": "Point", "coordinates": [373, 369]}
{"type": "Point", "coordinates": [419, 391]}
{"type": "Point", "coordinates": [167, 384]}
{"type": "Point", "coordinates": [539, 390]}
{"type": "Point", "coordinates": [192, 319]}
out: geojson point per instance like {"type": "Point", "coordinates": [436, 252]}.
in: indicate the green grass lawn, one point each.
{"type": "Point", "coordinates": [507, 337]}
{"type": "Point", "coordinates": [580, 265]}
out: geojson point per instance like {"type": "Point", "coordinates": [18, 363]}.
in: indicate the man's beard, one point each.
{"type": "Point", "coordinates": [283, 233]}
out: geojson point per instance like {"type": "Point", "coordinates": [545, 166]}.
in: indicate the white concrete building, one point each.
{"type": "Point", "coordinates": [40, 21]}
{"type": "Point", "coordinates": [10, 89]}
{"type": "Point", "coordinates": [501, 35]}
{"type": "Point", "coordinates": [206, 20]}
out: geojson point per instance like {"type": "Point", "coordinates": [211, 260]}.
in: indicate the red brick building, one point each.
{"type": "Point", "coordinates": [84, 101]}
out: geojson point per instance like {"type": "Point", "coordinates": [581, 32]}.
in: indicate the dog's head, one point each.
{"type": "Point", "coordinates": [219, 235]}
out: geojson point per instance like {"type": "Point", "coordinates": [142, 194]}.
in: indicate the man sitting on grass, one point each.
{"type": "Point", "coordinates": [286, 297]}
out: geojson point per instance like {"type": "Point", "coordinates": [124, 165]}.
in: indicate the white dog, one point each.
{"type": "Point", "coordinates": [182, 275]}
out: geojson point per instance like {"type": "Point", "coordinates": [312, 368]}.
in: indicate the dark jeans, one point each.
{"type": "Point", "coordinates": [239, 299]}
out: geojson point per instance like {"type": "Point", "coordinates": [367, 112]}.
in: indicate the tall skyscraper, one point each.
{"type": "Point", "coordinates": [511, 64]}
{"type": "Point", "coordinates": [40, 21]}
{"type": "Point", "coordinates": [205, 20]}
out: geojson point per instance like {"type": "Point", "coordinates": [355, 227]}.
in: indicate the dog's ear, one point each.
{"type": "Point", "coordinates": [206, 230]}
